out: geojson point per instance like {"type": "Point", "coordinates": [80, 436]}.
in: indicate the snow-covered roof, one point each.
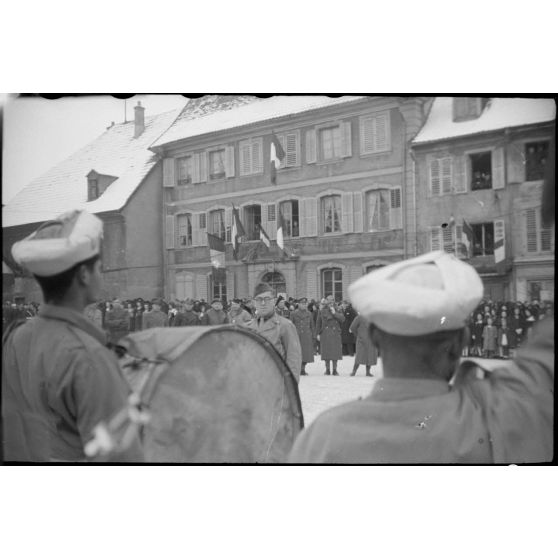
{"type": "Point", "coordinates": [116, 153]}
{"type": "Point", "coordinates": [256, 111]}
{"type": "Point", "coordinates": [498, 114]}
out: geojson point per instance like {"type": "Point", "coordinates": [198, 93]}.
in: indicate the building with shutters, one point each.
{"type": "Point", "coordinates": [116, 177]}
{"type": "Point", "coordinates": [482, 160]}
{"type": "Point", "coordinates": [344, 190]}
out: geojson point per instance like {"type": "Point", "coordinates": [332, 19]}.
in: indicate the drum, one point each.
{"type": "Point", "coordinates": [215, 395]}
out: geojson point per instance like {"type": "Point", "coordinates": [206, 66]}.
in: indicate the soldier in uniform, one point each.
{"type": "Point", "coordinates": [215, 315]}
{"type": "Point", "coordinates": [238, 315]}
{"type": "Point", "coordinates": [304, 323]}
{"type": "Point", "coordinates": [155, 317]}
{"type": "Point", "coordinates": [117, 321]}
{"type": "Point", "coordinates": [59, 381]}
{"type": "Point", "coordinates": [425, 409]}
{"type": "Point", "coordinates": [276, 329]}
{"type": "Point", "coordinates": [187, 316]}
{"type": "Point", "coordinates": [366, 353]}
{"type": "Point", "coordinates": [328, 333]}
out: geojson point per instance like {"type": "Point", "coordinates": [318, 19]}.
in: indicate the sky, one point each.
{"type": "Point", "coordinates": [39, 133]}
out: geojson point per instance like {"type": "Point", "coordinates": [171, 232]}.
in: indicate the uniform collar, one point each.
{"type": "Point", "coordinates": [77, 319]}
{"type": "Point", "coordinates": [398, 389]}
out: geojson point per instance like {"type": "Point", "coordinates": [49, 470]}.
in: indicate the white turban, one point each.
{"type": "Point", "coordinates": [58, 245]}
{"type": "Point", "coordinates": [433, 292]}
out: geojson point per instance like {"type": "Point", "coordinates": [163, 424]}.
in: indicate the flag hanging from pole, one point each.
{"type": "Point", "coordinates": [217, 256]}
{"type": "Point", "coordinates": [276, 155]}
{"type": "Point", "coordinates": [264, 237]}
{"type": "Point", "coordinates": [237, 232]}
{"type": "Point", "coordinates": [281, 229]}
{"type": "Point", "coordinates": [499, 246]}
{"type": "Point", "coordinates": [467, 238]}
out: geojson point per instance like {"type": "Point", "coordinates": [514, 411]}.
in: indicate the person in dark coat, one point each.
{"type": "Point", "coordinates": [366, 353]}
{"type": "Point", "coordinates": [328, 332]}
{"type": "Point", "coordinates": [347, 337]}
{"type": "Point", "coordinates": [504, 339]}
{"type": "Point", "coordinates": [476, 335]}
{"type": "Point", "coordinates": [131, 310]}
{"type": "Point", "coordinates": [187, 316]}
{"type": "Point", "coordinates": [304, 322]}
{"type": "Point", "coordinates": [281, 309]}
{"type": "Point", "coordinates": [138, 317]}
{"type": "Point", "coordinates": [490, 339]}
{"type": "Point", "coordinates": [156, 317]}
{"type": "Point", "coordinates": [117, 322]}
{"type": "Point", "coordinates": [215, 315]}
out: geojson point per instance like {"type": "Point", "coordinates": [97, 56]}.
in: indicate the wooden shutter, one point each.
{"type": "Point", "coordinates": [459, 252]}
{"type": "Point", "coordinates": [531, 217]}
{"type": "Point", "coordinates": [357, 209]}
{"type": "Point", "coordinates": [546, 238]}
{"type": "Point", "coordinates": [292, 150]}
{"type": "Point", "coordinates": [257, 162]}
{"type": "Point", "coordinates": [498, 176]}
{"type": "Point", "coordinates": [435, 241]}
{"type": "Point", "coordinates": [245, 158]}
{"type": "Point", "coordinates": [201, 286]}
{"type": "Point", "coordinates": [203, 166]}
{"type": "Point", "coordinates": [347, 140]}
{"type": "Point", "coordinates": [366, 136]}
{"type": "Point", "coordinates": [269, 219]}
{"type": "Point", "coordinates": [229, 161]}
{"type": "Point", "coordinates": [308, 217]}
{"type": "Point", "coordinates": [460, 176]}
{"type": "Point", "coordinates": [395, 210]}
{"type": "Point", "coordinates": [230, 279]}
{"type": "Point", "coordinates": [382, 138]}
{"type": "Point", "coordinates": [446, 164]}
{"type": "Point", "coordinates": [228, 224]}
{"type": "Point", "coordinates": [168, 172]}
{"type": "Point", "coordinates": [196, 229]}
{"type": "Point", "coordinates": [435, 177]}
{"type": "Point", "coordinates": [448, 240]}
{"type": "Point", "coordinates": [312, 284]}
{"type": "Point", "coordinates": [516, 164]}
{"type": "Point", "coordinates": [347, 212]}
{"type": "Point", "coordinates": [170, 230]}
{"type": "Point", "coordinates": [311, 155]}
{"type": "Point", "coordinates": [499, 234]}
{"type": "Point", "coordinates": [196, 168]}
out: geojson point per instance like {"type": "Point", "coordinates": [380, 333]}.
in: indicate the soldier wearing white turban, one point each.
{"type": "Point", "coordinates": [427, 409]}
{"type": "Point", "coordinates": [59, 381]}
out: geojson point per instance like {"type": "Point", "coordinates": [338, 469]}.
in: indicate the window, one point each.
{"type": "Point", "coordinates": [216, 223]}
{"type": "Point", "coordinates": [290, 143]}
{"type": "Point", "coordinates": [251, 159]}
{"type": "Point", "coordinates": [467, 108]}
{"type": "Point", "coordinates": [536, 156]}
{"type": "Point", "coordinates": [277, 282]}
{"type": "Point", "coordinates": [330, 143]}
{"type": "Point", "coordinates": [184, 165]}
{"type": "Point", "coordinates": [539, 237]}
{"type": "Point", "coordinates": [543, 291]}
{"type": "Point", "coordinates": [441, 176]}
{"type": "Point", "coordinates": [252, 221]}
{"type": "Point", "coordinates": [93, 185]}
{"type": "Point", "coordinates": [375, 135]}
{"type": "Point", "coordinates": [217, 164]}
{"type": "Point", "coordinates": [332, 283]}
{"type": "Point", "coordinates": [219, 287]}
{"type": "Point", "coordinates": [331, 214]}
{"type": "Point", "coordinates": [483, 239]}
{"type": "Point", "coordinates": [378, 203]}
{"type": "Point", "coordinates": [289, 210]}
{"type": "Point", "coordinates": [481, 170]}
{"type": "Point", "coordinates": [448, 239]}
{"type": "Point", "coordinates": [184, 229]}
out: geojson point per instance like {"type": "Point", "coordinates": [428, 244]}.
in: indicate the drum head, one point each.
{"type": "Point", "coordinates": [228, 397]}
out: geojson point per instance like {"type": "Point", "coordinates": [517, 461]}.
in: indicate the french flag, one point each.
{"type": "Point", "coordinates": [276, 155]}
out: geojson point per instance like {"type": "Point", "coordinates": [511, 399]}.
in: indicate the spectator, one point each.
{"type": "Point", "coordinates": [155, 318]}
{"type": "Point", "coordinates": [186, 316]}
{"type": "Point", "coordinates": [490, 339]}
{"type": "Point", "coordinates": [347, 337]}
{"type": "Point", "coordinates": [237, 314]}
{"type": "Point", "coordinates": [215, 315]}
{"type": "Point", "coordinates": [117, 321]}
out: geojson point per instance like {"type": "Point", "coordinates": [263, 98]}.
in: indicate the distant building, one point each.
{"type": "Point", "coordinates": [482, 161]}
{"type": "Point", "coordinates": [116, 177]}
{"type": "Point", "coordinates": [344, 190]}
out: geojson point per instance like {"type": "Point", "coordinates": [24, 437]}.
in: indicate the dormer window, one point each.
{"type": "Point", "coordinates": [468, 108]}
{"type": "Point", "coordinates": [93, 186]}
{"type": "Point", "coordinates": [97, 184]}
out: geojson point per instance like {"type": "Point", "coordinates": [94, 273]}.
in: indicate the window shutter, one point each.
{"type": "Point", "coordinates": [460, 179]}
{"type": "Point", "coordinates": [546, 239]}
{"type": "Point", "coordinates": [309, 217]}
{"type": "Point", "coordinates": [435, 243]}
{"type": "Point", "coordinates": [228, 224]}
{"type": "Point", "coordinates": [446, 175]}
{"type": "Point", "coordinates": [245, 158]}
{"type": "Point", "coordinates": [196, 229]}
{"type": "Point", "coordinates": [292, 151]}
{"type": "Point", "coordinates": [201, 286]}
{"type": "Point", "coordinates": [229, 161]}
{"type": "Point", "coordinates": [447, 237]}
{"type": "Point", "coordinates": [531, 217]}
{"type": "Point", "coordinates": [347, 212]}
{"type": "Point", "coordinates": [196, 168]}
{"type": "Point", "coordinates": [357, 208]}
{"type": "Point", "coordinates": [311, 155]}
{"type": "Point", "coordinates": [499, 235]}
{"type": "Point", "coordinates": [366, 136]}
{"type": "Point", "coordinates": [171, 233]}
{"type": "Point", "coordinates": [168, 172]}
{"type": "Point", "coordinates": [230, 278]}
{"type": "Point", "coordinates": [395, 211]}
{"type": "Point", "coordinates": [498, 178]}
{"type": "Point", "coordinates": [257, 165]}
{"type": "Point", "coordinates": [516, 165]}
{"type": "Point", "coordinates": [459, 251]}
{"type": "Point", "coordinates": [347, 143]}
{"type": "Point", "coordinates": [382, 133]}
{"type": "Point", "coordinates": [434, 177]}
{"type": "Point", "coordinates": [312, 284]}
{"type": "Point", "coordinates": [269, 217]}
{"type": "Point", "coordinates": [203, 166]}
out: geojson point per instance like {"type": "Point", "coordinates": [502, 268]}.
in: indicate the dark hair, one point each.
{"type": "Point", "coordinates": [55, 287]}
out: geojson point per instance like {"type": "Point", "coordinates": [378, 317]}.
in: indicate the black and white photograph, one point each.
{"type": "Point", "coordinates": [287, 279]}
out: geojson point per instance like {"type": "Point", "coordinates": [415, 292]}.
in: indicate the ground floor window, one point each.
{"type": "Point", "coordinates": [332, 283]}
{"type": "Point", "coordinates": [219, 286]}
{"type": "Point", "coordinates": [542, 290]}
{"type": "Point", "coordinates": [483, 239]}
{"type": "Point", "coordinates": [276, 280]}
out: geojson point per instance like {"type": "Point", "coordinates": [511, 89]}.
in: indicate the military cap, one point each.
{"type": "Point", "coordinates": [216, 299]}
{"type": "Point", "coordinates": [58, 245]}
{"type": "Point", "coordinates": [189, 301]}
{"type": "Point", "coordinates": [303, 299]}
{"type": "Point", "coordinates": [430, 293]}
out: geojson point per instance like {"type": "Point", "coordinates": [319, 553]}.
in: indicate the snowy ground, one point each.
{"type": "Point", "coordinates": [319, 392]}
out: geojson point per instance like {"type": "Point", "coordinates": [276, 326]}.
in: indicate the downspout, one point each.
{"type": "Point", "coordinates": [404, 184]}
{"type": "Point", "coordinates": [414, 202]}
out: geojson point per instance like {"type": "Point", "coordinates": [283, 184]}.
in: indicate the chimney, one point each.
{"type": "Point", "coordinates": [139, 121]}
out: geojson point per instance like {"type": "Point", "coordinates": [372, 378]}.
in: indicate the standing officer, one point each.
{"type": "Point", "coordinates": [59, 380]}
{"type": "Point", "coordinates": [276, 329]}
{"type": "Point", "coordinates": [328, 329]}
{"type": "Point", "coordinates": [425, 409]}
{"type": "Point", "coordinates": [304, 323]}
{"type": "Point", "coordinates": [215, 315]}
